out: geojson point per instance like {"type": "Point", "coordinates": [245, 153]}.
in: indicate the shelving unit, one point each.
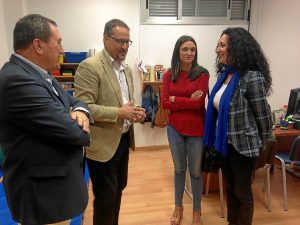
{"type": "Point", "coordinates": [67, 81]}
{"type": "Point", "coordinates": [64, 78]}
{"type": "Point", "coordinates": [71, 65]}
{"type": "Point", "coordinates": [151, 75]}
{"type": "Point", "coordinates": [154, 84]}
{"type": "Point", "coordinates": [68, 66]}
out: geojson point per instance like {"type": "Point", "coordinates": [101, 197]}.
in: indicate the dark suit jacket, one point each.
{"type": "Point", "coordinates": [43, 165]}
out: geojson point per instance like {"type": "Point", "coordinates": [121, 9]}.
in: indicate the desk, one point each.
{"type": "Point", "coordinates": [285, 138]}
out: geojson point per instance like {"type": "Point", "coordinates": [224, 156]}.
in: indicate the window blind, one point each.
{"type": "Point", "coordinates": [189, 7]}
{"type": "Point", "coordinates": [238, 9]}
{"type": "Point", "coordinates": [213, 8]}
{"type": "Point", "coordinates": [195, 11]}
{"type": "Point", "coordinates": [163, 8]}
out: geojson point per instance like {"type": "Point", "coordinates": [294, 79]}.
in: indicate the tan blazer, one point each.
{"type": "Point", "coordinates": [97, 85]}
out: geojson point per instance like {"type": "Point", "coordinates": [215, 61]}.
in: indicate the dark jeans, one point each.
{"type": "Point", "coordinates": [108, 180]}
{"type": "Point", "coordinates": [238, 170]}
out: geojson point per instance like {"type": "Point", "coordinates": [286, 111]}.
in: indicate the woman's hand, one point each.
{"type": "Point", "coordinates": [172, 99]}
{"type": "Point", "coordinates": [197, 94]}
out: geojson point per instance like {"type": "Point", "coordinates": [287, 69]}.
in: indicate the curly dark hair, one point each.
{"type": "Point", "coordinates": [245, 54]}
{"type": "Point", "coordinates": [175, 62]}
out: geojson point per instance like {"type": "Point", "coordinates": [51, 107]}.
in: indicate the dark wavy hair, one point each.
{"type": "Point", "coordinates": [175, 62]}
{"type": "Point", "coordinates": [245, 54]}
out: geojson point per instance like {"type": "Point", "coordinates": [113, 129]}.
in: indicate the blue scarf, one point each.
{"type": "Point", "coordinates": [217, 135]}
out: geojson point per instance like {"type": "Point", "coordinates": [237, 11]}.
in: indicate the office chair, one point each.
{"type": "Point", "coordinates": [288, 161]}
{"type": "Point", "coordinates": [265, 160]}
{"type": "Point", "coordinates": [221, 190]}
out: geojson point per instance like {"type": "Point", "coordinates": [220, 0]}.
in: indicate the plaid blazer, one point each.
{"type": "Point", "coordinates": [250, 117]}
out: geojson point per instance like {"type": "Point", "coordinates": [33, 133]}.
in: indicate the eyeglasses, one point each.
{"type": "Point", "coordinates": [121, 41]}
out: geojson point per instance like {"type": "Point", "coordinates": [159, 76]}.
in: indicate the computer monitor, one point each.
{"type": "Point", "coordinates": [294, 102]}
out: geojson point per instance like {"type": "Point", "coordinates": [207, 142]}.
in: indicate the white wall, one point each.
{"type": "Point", "coordinates": [3, 39]}
{"type": "Point", "coordinates": [274, 23]}
{"type": "Point", "coordinates": [7, 22]}
{"type": "Point", "coordinates": [159, 48]}
{"type": "Point", "coordinates": [81, 25]}
{"type": "Point", "coordinates": [4, 52]}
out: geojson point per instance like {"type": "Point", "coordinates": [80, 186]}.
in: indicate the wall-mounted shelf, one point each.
{"type": "Point", "coordinates": [72, 65]}
{"type": "Point", "coordinates": [64, 78]}
{"type": "Point", "coordinates": [67, 81]}
{"type": "Point", "coordinates": [154, 84]}
{"type": "Point", "coordinates": [151, 75]}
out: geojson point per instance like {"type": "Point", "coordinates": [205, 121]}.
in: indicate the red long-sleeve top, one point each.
{"type": "Point", "coordinates": [186, 113]}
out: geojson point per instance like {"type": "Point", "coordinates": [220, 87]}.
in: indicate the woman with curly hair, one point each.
{"type": "Point", "coordinates": [238, 118]}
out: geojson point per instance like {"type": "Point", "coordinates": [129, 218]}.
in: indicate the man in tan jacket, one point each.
{"type": "Point", "coordinates": [105, 83]}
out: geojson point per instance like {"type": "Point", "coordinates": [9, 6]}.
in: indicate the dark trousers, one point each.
{"type": "Point", "coordinates": [108, 180]}
{"type": "Point", "coordinates": [238, 170]}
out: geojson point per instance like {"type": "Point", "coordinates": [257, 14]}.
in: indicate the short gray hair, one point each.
{"type": "Point", "coordinates": [114, 23]}
{"type": "Point", "coordinates": [31, 27]}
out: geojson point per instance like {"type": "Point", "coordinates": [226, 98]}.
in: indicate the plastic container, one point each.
{"type": "Point", "coordinates": [61, 58]}
{"type": "Point", "coordinates": [74, 57]}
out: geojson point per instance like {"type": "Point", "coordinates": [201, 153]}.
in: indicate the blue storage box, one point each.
{"type": "Point", "coordinates": [74, 57]}
{"type": "Point", "coordinates": [5, 216]}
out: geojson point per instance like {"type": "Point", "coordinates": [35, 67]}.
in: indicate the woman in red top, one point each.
{"type": "Point", "coordinates": [184, 89]}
